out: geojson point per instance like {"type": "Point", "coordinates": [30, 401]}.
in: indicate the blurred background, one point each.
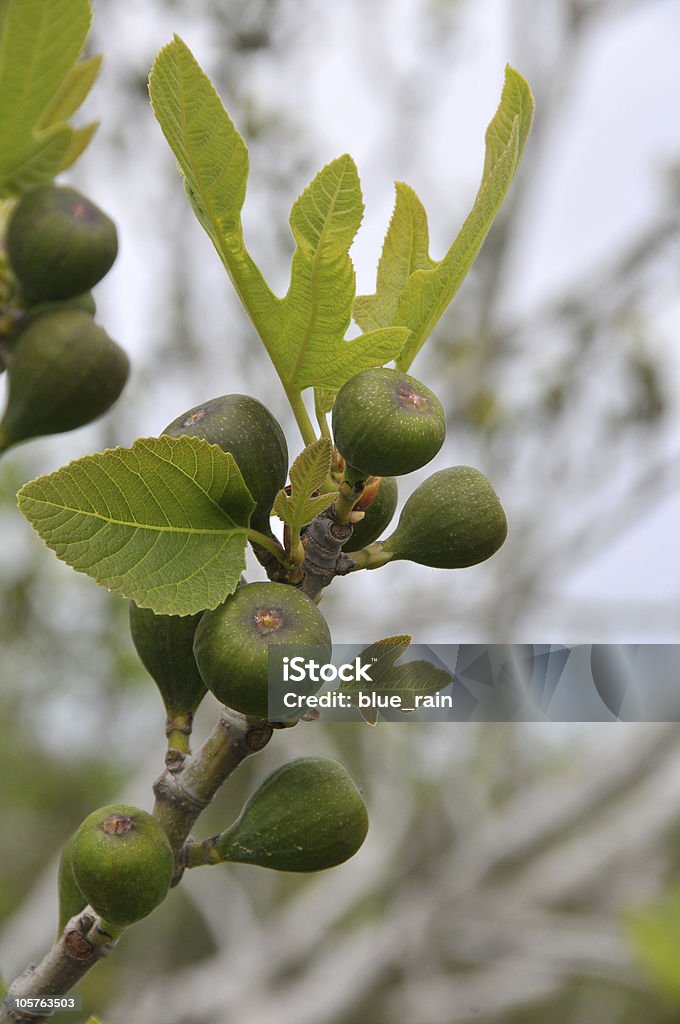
{"type": "Point", "coordinates": [516, 872]}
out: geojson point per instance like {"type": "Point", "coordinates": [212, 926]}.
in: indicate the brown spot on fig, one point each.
{"type": "Point", "coordinates": [117, 824]}
{"type": "Point", "coordinates": [408, 396]}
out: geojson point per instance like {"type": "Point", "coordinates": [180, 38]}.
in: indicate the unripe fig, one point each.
{"type": "Point", "coordinates": [64, 371]}
{"type": "Point", "coordinates": [59, 243]}
{"type": "Point", "coordinates": [84, 302]}
{"type": "Point", "coordinates": [377, 517]}
{"type": "Point", "coordinates": [307, 816]}
{"type": "Point", "coordinates": [122, 863]}
{"type": "Point", "coordinates": [232, 642]}
{"type": "Point", "coordinates": [386, 423]}
{"type": "Point", "coordinates": [71, 899]}
{"type": "Point", "coordinates": [452, 520]}
{"type": "Point", "coordinates": [243, 426]}
{"type": "Point", "coordinates": [165, 645]}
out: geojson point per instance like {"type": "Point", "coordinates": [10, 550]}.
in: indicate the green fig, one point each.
{"type": "Point", "coordinates": [84, 302]}
{"type": "Point", "coordinates": [243, 426]}
{"type": "Point", "coordinates": [64, 371]}
{"type": "Point", "coordinates": [59, 244]}
{"type": "Point", "coordinates": [122, 863]}
{"type": "Point", "coordinates": [378, 515]}
{"type": "Point", "coordinates": [71, 899]}
{"type": "Point", "coordinates": [307, 816]}
{"type": "Point", "coordinates": [164, 644]}
{"type": "Point", "coordinates": [454, 519]}
{"type": "Point", "coordinates": [232, 642]}
{"type": "Point", "coordinates": [386, 423]}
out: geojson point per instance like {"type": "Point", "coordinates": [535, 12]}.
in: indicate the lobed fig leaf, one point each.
{"type": "Point", "coordinates": [243, 426]}
{"type": "Point", "coordinates": [307, 816]}
{"type": "Point", "coordinates": [307, 476]}
{"type": "Point", "coordinates": [59, 244]}
{"type": "Point", "coordinates": [378, 515]}
{"type": "Point", "coordinates": [164, 644]}
{"type": "Point", "coordinates": [64, 371]}
{"type": "Point", "coordinates": [122, 863]}
{"type": "Point", "coordinates": [386, 423]}
{"type": "Point", "coordinates": [40, 87]}
{"type": "Point", "coordinates": [454, 519]}
{"type": "Point", "coordinates": [232, 642]}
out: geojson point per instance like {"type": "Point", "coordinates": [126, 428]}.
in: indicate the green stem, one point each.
{"type": "Point", "coordinates": [372, 557]}
{"type": "Point", "coordinates": [348, 495]}
{"type": "Point", "coordinates": [178, 732]}
{"type": "Point", "coordinates": [269, 544]}
{"type": "Point", "coordinates": [301, 415]}
{"type": "Point", "coordinates": [262, 307]}
{"type": "Point", "coordinates": [321, 417]}
{"type": "Point", "coordinates": [197, 855]}
{"type": "Point", "coordinates": [182, 795]}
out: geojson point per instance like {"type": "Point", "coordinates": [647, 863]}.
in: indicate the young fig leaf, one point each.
{"type": "Point", "coordinates": [164, 522]}
{"type": "Point", "coordinates": [410, 682]}
{"type": "Point", "coordinates": [412, 289]}
{"type": "Point", "coordinates": [307, 816]}
{"type": "Point", "coordinates": [406, 249]}
{"type": "Point", "coordinates": [307, 475]}
{"type": "Point", "coordinates": [213, 160]}
{"type": "Point", "coordinates": [40, 88]}
{"type": "Point", "coordinates": [316, 312]}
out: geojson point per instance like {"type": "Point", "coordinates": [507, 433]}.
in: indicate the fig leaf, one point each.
{"type": "Point", "coordinates": [307, 475]}
{"type": "Point", "coordinates": [413, 290]}
{"type": "Point", "coordinates": [164, 522]}
{"type": "Point", "coordinates": [40, 88]}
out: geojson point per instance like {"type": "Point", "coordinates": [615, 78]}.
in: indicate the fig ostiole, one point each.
{"type": "Point", "coordinates": [306, 816]}
{"type": "Point", "coordinates": [122, 863]}
{"type": "Point", "coordinates": [232, 642]}
{"type": "Point", "coordinates": [454, 519]}
{"type": "Point", "coordinates": [64, 371]}
{"type": "Point", "coordinates": [243, 426]}
{"type": "Point", "coordinates": [59, 244]}
{"type": "Point", "coordinates": [386, 423]}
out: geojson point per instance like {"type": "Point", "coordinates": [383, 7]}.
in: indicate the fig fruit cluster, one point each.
{"type": "Point", "coordinates": [64, 370]}
{"type": "Point", "coordinates": [386, 424]}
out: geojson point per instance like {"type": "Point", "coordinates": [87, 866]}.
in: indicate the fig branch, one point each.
{"type": "Point", "coordinates": [182, 792]}
{"type": "Point", "coordinates": [187, 787]}
{"type": "Point", "coordinates": [82, 944]}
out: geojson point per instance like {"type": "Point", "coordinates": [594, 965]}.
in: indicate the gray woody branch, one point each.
{"type": "Point", "coordinates": [182, 792]}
